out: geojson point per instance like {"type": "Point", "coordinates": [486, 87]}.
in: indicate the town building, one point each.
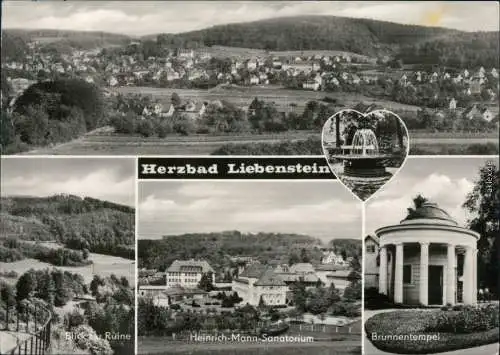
{"type": "Point", "coordinates": [188, 273]}
{"type": "Point", "coordinates": [259, 283]}
{"type": "Point", "coordinates": [427, 259]}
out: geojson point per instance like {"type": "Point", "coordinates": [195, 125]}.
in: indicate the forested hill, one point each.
{"type": "Point", "coordinates": [14, 41]}
{"type": "Point", "coordinates": [78, 223]}
{"type": "Point", "coordinates": [351, 247]}
{"type": "Point", "coordinates": [361, 36]}
{"type": "Point", "coordinates": [160, 253]}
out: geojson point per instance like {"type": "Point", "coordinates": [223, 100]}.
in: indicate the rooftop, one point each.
{"type": "Point", "coordinates": [430, 211]}
{"type": "Point", "coordinates": [190, 266]}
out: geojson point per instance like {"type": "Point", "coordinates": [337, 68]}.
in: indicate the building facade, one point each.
{"type": "Point", "coordinates": [428, 259]}
{"type": "Point", "coordinates": [188, 273]}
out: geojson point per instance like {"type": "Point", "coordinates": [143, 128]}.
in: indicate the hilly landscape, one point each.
{"type": "Point", "coordinates": [76, 223]}
{"type": "Point", "coordinates": [213, 247]}
{"type": "Point", "coordinates": [360, 36]}
{"type": "Point", "coordinates": [411, 43]}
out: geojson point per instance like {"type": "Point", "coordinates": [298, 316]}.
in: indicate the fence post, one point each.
{"type": "Point", "coordinates": [7, 314]}
{"type": "Point", "coordinates": [34, 316]}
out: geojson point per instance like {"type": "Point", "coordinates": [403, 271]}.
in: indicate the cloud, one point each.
{"type": "Point", "coordinates": [152, 204]}
{"type": "Point", "coordinates": [449, 193]}
{"type": "Point", "coordinates": [103, 183]}
{"type": "Point", "coordinates": [290, 207]}
{"type": "Point", "coordinates": [146, 17]}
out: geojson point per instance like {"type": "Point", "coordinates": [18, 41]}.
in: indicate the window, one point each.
{"type": "Point", "coordinates": [370, 248]}
{"type": "Point", "coordinates": [406, 274]}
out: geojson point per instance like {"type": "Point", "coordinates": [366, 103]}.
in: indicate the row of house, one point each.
{"type": "Point", "coordinates": [256, 283]}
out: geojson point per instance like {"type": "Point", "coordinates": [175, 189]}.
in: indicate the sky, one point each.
{"type": "Point", "coordinates": [110, 179]}
{"type": "Point", "coordinates": [149, 17]}
{"type": "Point", "coordinates": [445, 181]}
{"type": "Point", "coordinates": [320, 209]}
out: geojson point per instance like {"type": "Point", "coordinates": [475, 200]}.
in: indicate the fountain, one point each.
{"type": "Point", "coordinates": [363, 158]}
{"type": "Point", "coordinates": [358, 157]}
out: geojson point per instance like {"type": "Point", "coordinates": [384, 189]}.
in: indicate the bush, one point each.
{"type": "Point", "coordinates": [376, 300]}
{"type": "Point", "coordinates": [74, 319]}
{"type": "Point", "coordinates": [425, 323]}
{"type": "Point", "coordinates": [470, 319]}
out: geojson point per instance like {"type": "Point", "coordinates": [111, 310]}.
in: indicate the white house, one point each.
{"type": "Point", "coordinates": [453, 104]}
{"type": "Point", "coordinates": [428, 259]}
{"type": "Point", "coordinates": [370, 261]}
{"type": "Point", "coordinates": [187, 273]}
{"type": "Point", "coordinates": [258, 282]}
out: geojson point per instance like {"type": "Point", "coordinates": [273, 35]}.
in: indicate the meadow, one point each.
{"type": "Point", "coordinates": [102, 265]}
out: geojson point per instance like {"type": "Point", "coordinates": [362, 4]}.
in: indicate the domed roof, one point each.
{"type": "Point", "coordinates": [429, 211]}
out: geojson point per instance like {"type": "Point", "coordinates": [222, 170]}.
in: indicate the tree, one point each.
{"type": "Point", "coordinates": [175, 100]}
{"type": "Point", "coordinates": [418, 202]}
{"type": "Point", "coordinates": [85, 254]}
{"type": "Point", "coordinates": [294, 259]}
{"type": "Point", "coordinates": [7, 294]}
{"type": "Point", "coordinates": [299, 295]}
{"type": "Point", "coordinates": [26, 285]}
{"type": "Point", "coordinates": [484, 206]}
{"type": "Point", "coordinates": [206, 282]}
{"type": "Point", "coordinates": [304, 256]}
{"type": "Point", "coordinates": [353, 291]}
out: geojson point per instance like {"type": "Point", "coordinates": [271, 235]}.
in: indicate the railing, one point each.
{"type": "Point", "coordinates": [33, 327]}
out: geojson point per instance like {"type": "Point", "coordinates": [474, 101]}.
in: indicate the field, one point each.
{"type": "Point", "coordinates": [98, 144]}
{"type": "Point", "coordinates": [114, 144]}
{"type": "Point", "coordinates": [158, 345]}
{"type": "Point", "coordinates": [247, 53]}
{"type": "Point", "coordinates": [103, 265]}
{"type": "Point", "coordinates": [105, 143]}
{"type": "Point", "coordinates": [243, 96]}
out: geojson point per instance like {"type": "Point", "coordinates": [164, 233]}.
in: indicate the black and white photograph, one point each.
{"type": "Point", "coordinates": [248, 267]}
{"type": "Point", "coordinates": [67, 256]}
{"type": "Point", "coordinates": [431, 260]}
{"type": "Point", "coordinates": [365, 151]}
{"type": "Point", "coordinates": [244, 77]}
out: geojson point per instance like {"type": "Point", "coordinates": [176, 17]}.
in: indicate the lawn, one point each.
{"type": "Point", "coordinates": [424, 323]}
{"type": "Point", "coordinates": [158, 345]}
{"type": "Point", "coordinates": [103, 265]}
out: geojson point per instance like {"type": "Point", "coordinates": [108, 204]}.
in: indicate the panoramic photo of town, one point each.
{"type": "Point", "coordinates": [431, 259]}
{"type": "Point", "coordinates": [245, 267]}
{"type": "Point", "coordinates": [244, 78]}
{"type": "Point", "coordinates": [67, 256]}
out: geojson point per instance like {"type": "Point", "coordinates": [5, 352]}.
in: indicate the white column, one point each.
{"type": "Point", "coordinates": [398, 277]}
{"type": "Point", "coordinates": [382, 277]}
{"type": "Point", "coordinates": [474, 274]}
{"type": "Point", "coordinates": [424, 274]}
{"type": "Point", "coordinates": [468, 276]}
{"type": "Point", "coordinates": [450, 275]}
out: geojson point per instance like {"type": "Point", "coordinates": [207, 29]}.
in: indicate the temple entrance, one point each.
{"type": "Point", "coordinates": [435, 295]}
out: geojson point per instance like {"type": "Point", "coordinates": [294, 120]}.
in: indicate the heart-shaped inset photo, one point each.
{"type": "Point", "coordinates": [365, 151]}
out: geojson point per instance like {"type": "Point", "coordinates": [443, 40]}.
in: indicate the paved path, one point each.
{"type": "Point", "coordinates": [10, 339]}
{"type": "Point", "coordinates": [370, 349]}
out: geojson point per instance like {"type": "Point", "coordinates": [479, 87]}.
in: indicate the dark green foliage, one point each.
{"type": "Point", "coordinates": [95, 225]}
{"type": "Point", "coordinates": [310, 146]}
{"type": "Point", "coordinates": [206, 282]}
{"type": "Point", "coordinates": [53, 286]}
{"type": "Point", "coordinates": [466, 320]}
{"type": "Point", "coordinates": [424, 323]}
{"type": "Point", "coordinates": [412, 44]}
{"type": "Point", "coordinates": [7, 294]}
{"type": "Point", "coordinates": [160, 253]}
{"type": "Point", "coordinates": [483, 203]}
{"type": "Point", "coordinates": [57, 96]}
